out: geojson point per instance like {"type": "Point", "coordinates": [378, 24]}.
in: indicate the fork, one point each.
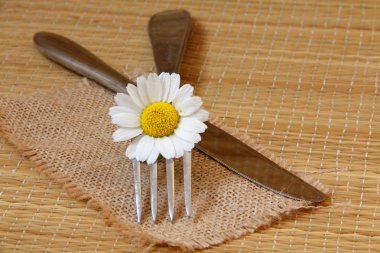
{"type": "Point", "coordinates": [170, 186]}
{"type": "Point", "coordinates": [168, 32]}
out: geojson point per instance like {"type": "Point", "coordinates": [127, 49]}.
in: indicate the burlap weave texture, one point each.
{"type": "Point", "coordinates": [67, 132]}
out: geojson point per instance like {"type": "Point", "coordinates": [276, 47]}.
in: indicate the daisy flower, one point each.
{"type": "Point", "coordinates": [160, 117]}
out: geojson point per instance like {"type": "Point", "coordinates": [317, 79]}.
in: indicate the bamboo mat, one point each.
{"type": "Point", "coordinates": [301, 77]}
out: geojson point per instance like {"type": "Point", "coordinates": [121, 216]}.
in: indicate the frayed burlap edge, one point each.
{"type": "Point", "coordinates": [133, 233]}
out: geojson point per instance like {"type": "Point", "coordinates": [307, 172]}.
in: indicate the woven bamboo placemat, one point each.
{"type": "Point", "coordinates": [300, 77]}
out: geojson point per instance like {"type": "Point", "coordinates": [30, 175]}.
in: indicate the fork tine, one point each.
{"type": "Point", "coordinates": [170, 185]}
{"type": "Point", "coordinates": [137, 186]}
{"type": "Point", "coordinates": [187, 181]}
{"type": "Point", "coordinates": [153, 190]}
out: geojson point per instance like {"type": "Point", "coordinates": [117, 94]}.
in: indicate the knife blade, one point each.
{"type": "Point", "coordinates": [218, 144]}
{"type": "Point", "coordinates": [252, 165]}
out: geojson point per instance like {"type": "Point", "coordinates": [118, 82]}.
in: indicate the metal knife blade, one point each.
{"type": "Point", "coordinates": [221, 146]}
{"type": "Point", "coordinates": [252, 165]}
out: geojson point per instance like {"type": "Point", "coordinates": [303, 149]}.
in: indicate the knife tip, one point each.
{"type": "Point", "coordinates": [317, 196]}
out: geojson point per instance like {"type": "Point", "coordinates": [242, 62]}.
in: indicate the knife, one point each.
{"type": "Point", "coordinates": [168, 49]}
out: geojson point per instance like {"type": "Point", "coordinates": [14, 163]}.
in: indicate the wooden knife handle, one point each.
{"type": "Point", "coordinates": [168, 30]}
{"type": "Point", "coordinates": [78, 59]}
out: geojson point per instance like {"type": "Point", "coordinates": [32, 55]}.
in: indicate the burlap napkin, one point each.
{"type": "Point", "coordinates": [67, 133]}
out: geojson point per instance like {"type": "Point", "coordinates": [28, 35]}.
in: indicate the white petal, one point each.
{"type": "Point", "coordinates": [144, 148]}
{"type": "Point", "coordinates": [187, 146]}
{"type": "Point", "coordinates": [122, 109]}
{"type": "Point", "coordinates": [133, 93]}
{"type": "Point", "coordinates": [192, 125]}
{"type": "Point", "coordinates": [153, 155]}
{"type": "Point", "coordinates": [155, 88]}
{"type": "Point", "coordinates": [187, 136]}
{"type": "Point", "coordinates": [174, 86]}
{"type": "Point", "coordinates": [142, 89]}
{"type": "Point", "coordinates": [124, 134]}
{"type": "Point", "coordinates": [177, 146]}
{"type": "Point", "coordinates": [189, 106]}
{"type": "Point", "coordinates": [201, 114]}
{"type": "Point", "coordinates": [166, 148]}
{"type": "Point", "coordinates": [126, 119]}
{"type": "Point", "coordinates": [125, 100]}
{"type": "Point", "coordinates": [186, 91]}
{"type": "Point", "coordinates": [131, 150]}
{"type": "Point", "coordinates": [165, 82]}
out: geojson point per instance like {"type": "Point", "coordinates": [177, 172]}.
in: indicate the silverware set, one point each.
{"type": "Point", "coordinates": [169, 31]}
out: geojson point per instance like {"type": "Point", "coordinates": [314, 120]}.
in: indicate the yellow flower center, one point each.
{"type": "Point", "coordinates": [159, 119]}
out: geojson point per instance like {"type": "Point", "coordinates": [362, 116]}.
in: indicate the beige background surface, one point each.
{"type": "Point", "coordinates": [301, 77]}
